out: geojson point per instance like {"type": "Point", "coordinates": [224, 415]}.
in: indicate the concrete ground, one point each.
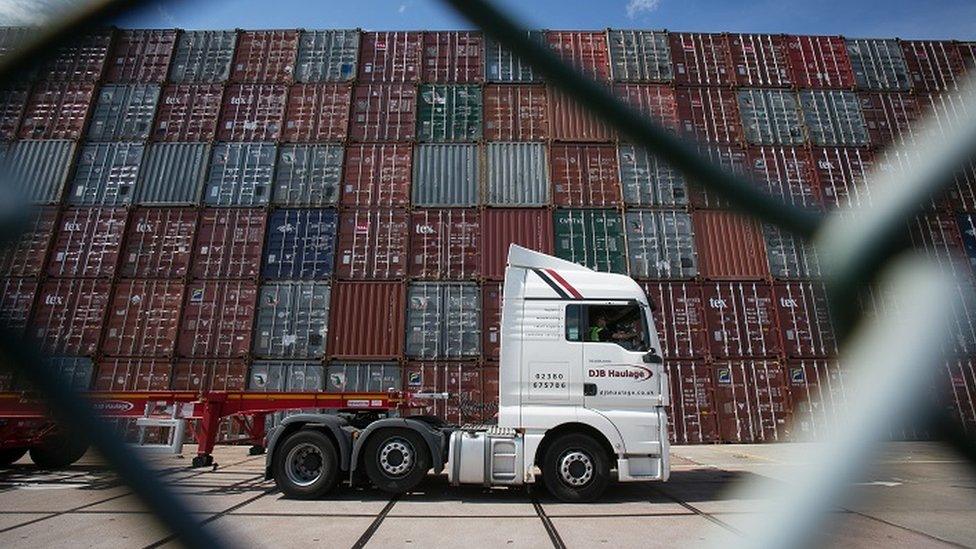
{"type": "Point", "coordinates": [917, 495]}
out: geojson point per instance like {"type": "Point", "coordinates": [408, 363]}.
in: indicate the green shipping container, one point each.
{"type": "Point", "coordinates": [593, 238]}
{"type": "Point", "coordinates": [449, 113]}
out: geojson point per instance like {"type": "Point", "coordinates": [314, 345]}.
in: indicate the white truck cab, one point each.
{"type": "Point", "coordinates": [582, 391]}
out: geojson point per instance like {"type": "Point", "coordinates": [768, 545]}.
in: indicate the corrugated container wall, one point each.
{"type": "Point", "coordinates": [57, 111]}
{"type": "Point", "coordinates": [889, 117]}
{"type": "Point", "coordinates": [308, 175]}
{"type": "Point", "coordinates": [88, 242]}
{"type": "Point", "coordinates": [265, 56]}
{"type": "Point", "coordinates": [449, 113]}
{"type": "Point", "coordinates": [741, 319]}
{"type": "Point", "coordinates": [80, 60]}
{"type": "Point", "coordinates": [327, 56]}
{"type": "Point", "coordinates": [281, 376]}
{"type": "Point", "coordinates": [753, 401]}
{"type": "Point", "coordinates": [363, 377]}
{"type": "Point", "coordinates": [587, 51]}
{"type": "Point", "coordinates": [517, 175]}
{"type": "Point", "coordinates": [584, 175]}
{"type": "Point", "coordinates": [377, 175]}
{"type": "Point", "coordinates": [391, 56]}
{"type": "Point", "coordinates": [240, 174]}
{"type": "Point", "coordinates": [443, 320]}
{"type": "Point", "coordinates": [788, 173]}
{"type": "Point", "coordinates": [571, 122]}
{"type": "Point", "coordinates": [384, 112]}
{"type": "Point", "coordinates": [128, 374]}
{"type": "Point", "coordinates": [13, 102]}
{"type": "Point", "coordinates": [123, 112]}
{"type": "Point", "coordinates": [366, 320]}
{"type": "Point", "coordinates": [933, 65]}
{"type": "Point", "coordinates": [188, 112]}
{"type": "Point", "coordinates": [69, 315]}
{"type": "Point", "coordinates": [789, 256]}
{"type": "Point", "coordinates": [143, 318]}
{"type": "Point", "coordinates": [833, 118]}
{"type": "Point", "coordinates": [729, 246]}
{"type": "Point", "coordinates": [516, 113]}
{"type": "Point", "coordinates": [646, 180]}
{"type": "Point", "coordinates": [229, 243]}
{"type": "Point", "coordinates": [501, 65]}
{"type": "Point", "coordinates": [445, 244]}
{"type": "Point", "coordinates": [105, 174]}
{"type": "Point", "coordinates": [701, 59]}
{"type": "Point", "coordinates": [16, 300]}
{"type": "Point", "coordinates": [141, 56]}
{"type": "Point", "coordinates": [530, 228]}
{"type": "Point", "coordinates": [159, 243]}
{"type": "Point", "coordinates": [252, 112]}
{"type": "Point", "coordinates": [592, 238]}
{"type": "Point", "coordinates": [38, 169]}
{"type": "Point", "coordinates": [201, 374]}
{"type": "Point", "coordinates": [26, 256]}
{"type": "Point", "coordinates": [218, 319]}
{"type": "Point", "coordinates": [841, 173]}
{"type": "Point", "coordinates": [709, 115]}
{"type": "Point", "coordinates": [446, 175]}
{"type": "Point", "coordinates": [760, 60]}
{"type": "Point", "coordinates": [733, 159]}
{"type": "Point", "coordinates": [639, 56]}
{"type": "Point", "coordinates": [771, 117]}
{"type": "Point", "coordinates": [819, 394]}
{"type": "Point", "coordinates": [203, 56]}
{"type": "Point", "coordinates": [451, 56]}
{"type": "Point", "coordinates": [654, 101]}
{"type": "Point", "coordinates": [878, 65]}
{"type": "Point", "coordinates": [693, 414]}
{"type": "Point", "coordinates": [819, 62]}
{"type": "Point", "coordinates": [804, 319]}
{"type": "Point", "coordinates": [300, 244]}
{"type": "Point", "coordinates": [372, 244]}
{"type": "Point", "coordinates": [172, 173]}
{"type": "Point", "coordinates": [292, 320]}
{"type": "Point", "coordinates": [661, 244]}
{"type": "Point", "coordinates": [679, 318]}
{"type": "Point", "coordinates": [317, 112]}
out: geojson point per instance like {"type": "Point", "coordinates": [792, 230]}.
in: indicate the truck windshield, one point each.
{"type": "Point", "coordinates": [620, 324]}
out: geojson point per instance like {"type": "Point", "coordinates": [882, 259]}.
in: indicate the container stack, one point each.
{"type": "Point", "coordinates": [330, 210]}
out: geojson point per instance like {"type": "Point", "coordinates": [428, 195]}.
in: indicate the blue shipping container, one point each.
{"type": "Point", "coordinates": [300, 244]}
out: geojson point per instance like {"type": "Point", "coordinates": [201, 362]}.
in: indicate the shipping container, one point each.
{"type": "Point", "coordinates": [709, 115]}
{"type": "Point", "coordinates": [933, 65]}
{"type": "Point", "coordinates": [530, 228]}
{"type": "Point", "coordinates": [639, 56]}
{"type": "Point", "coordinates": [473, 391]}
{"type": "Point", "coordinates": [891, 162]}
{"type": "Point", "coordinates": [818, 391]}
{"type": "Point", "coordinates": [729, 246]}
{"type": "Point", "coordinates": [939, 237]}
{"type": "Point", "coordinates": [252, 112]}
{"type": "Point", "coordinates": [218, 319]}
{"type": "Point", "coordinates": [105, 174]}
{"type": "Point", "coordinates": [203, 56]}
{"type": "Point", "coordinates": [501, 65]}
{"type": "Point", "coordinates": [123, 112]}
{"type": "Point", "coordinates": [679, 318]}
{"type": "Point", "coordinates": [570, 121]}
{"type": "Point", "coordinates": [276, 376]}
{"type": "Point", "coordinates": [761, 60]}
{"type": "Point", "coordinates": [485, 410]}
{"type": "Point", "coordinates": [327, 55]}
{"type": "Point", "coordinates": [188, 112]}
{"type": "Point", "coordinates": [143, 318]}
{"type": "Point", "coordinates": [945, 111]}
{"type": "Point", "coordinates": [966, 224]}
{"type": "Point", "coordinates": [172, 173]}
{"type": "Point", "coordinates": [37, 170]}
{"type": "Point", "coordinates": [141, 56]}
{"type": "Point", "coordinates": [443, 320]}
{"type": "Point", "coordinates": [363, 377]}
{"type": "Point", "coordinates": [804, 319]}
{"type": "Point", "coordinates": [77, 372]}
{"type": "Point", "coordinates": [788, 173]}
{"type": "Point", "coordinates": [584, 175]}
{"type": "Point", "coordinates": [753, 401]}
{"type": "Point", "coordinates": [789, 256]}
{"type": "Point", "coordinates": [317, 112]}
{"type": "Point", "coordinates": [69, 315]}
{"type": "Point", "coordinates": [13, 102]}
{"type": "Point", "coordinates": [203, 375]}
{"type": "Point", "coordinates": [449, 113]}
{"type": "Point", "coordinates": [962, 195]}
{"type": "Point", "coordinates": [878, 65]}
{"type": "Point", "coordinates": [384, 112]}
{"type": "Point", "coordinates": [491, 319]}
{"type": "Point", "coordinates": [14, 38]}
{"type": "Point", "coordinates": [647, 180]}
{"type": "Point", "coordinates": [57, 111]}
{"type": "Point", "coordinates": [586, 51]}
{"type": "Point", "coordinates": [959, 390]}
{"type": "Point", "coordinates": [308, 175]}
{"type": "Point", "coordinates": [229, 243]}
{"type": "Point", "coordinates": [292, 320]}
{"type": "Point", "coordinates": [771, 117]}
{"type": "Point", "coordinates": [158, 243]}
{"type": "Point", "coordinates": [890, 117]}
{"type": "Point", "coordinates": [16, 300]}
{"type": "Point", "coordinates": [701, 59]}
{"type": "Point", "coordinates": [81, 59]}
{"type": "Point", "coordinates": [741, 319]}
{"type": "Point", "coordinates": [654, 101]}
{"type": "Point", "coordinates": [516, 113]}
{"type": "Point", "coordinates": [661, 244]}
{"type": "Point", "coordinates": [445, 244]}
{"type": "Point", "coordinates": [240, 174]}
{"type": "Point", "coordinates": [25, 256]}
{"type": "Point", "coordinates": [300, 244]}
{"type": "Point", "coordinates": [372, 244]}
{"type": "Point", "coordinates": [819, 62]}
{"type": "Point", "coordinates": [833, 118]}
{"type": "Point", "coordinates": [841, 173]}
{"type": "Point", "coordinates": [366, 320]}
{"type": "Point", "coordinates": [87, 243]}
{"type": "Point", "coordinates": [377, 175]}
{"type": "Point", "coordinates": [446, 175]}
{"type": "Point", "coordinates": [391, 56]}
{"type": "Point", "coordinates": [693, 414]}
{"type": "Point", "coordinates": [133, 374]}
{"type": "Point", "coordinates": [732, 159]}
{"type": "Point", "coordinates": [517, 174]}
{"type": "Point", "coordinates": [265, 56]}
{"type": "Point", "coordinates": [592, 238]}
{"type": "Point", "coordinates": [452, 56]}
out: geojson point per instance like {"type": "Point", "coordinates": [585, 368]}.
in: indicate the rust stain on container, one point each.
{"type": "Point", "coordinates": [317, 112]}
{"type": "Point", "coordinates": [265, 56]}
{"type": "Point", "coordinates": [143, 318]}
{"type": "Point", "coordinates": [88, 242]}
{"type": "Point", "coordinates": [372, 244]}
{"type": "Point", "coordinates": [729, 246]}
{"type": "Point", "coordinates": [218, 319]}
{"type": "Point", "coordinates": [741, 319]}
{"type": "Point", "coordinates": [377, 175]}
{"type": "Point", "coordinates": [69, 315]}
{"type": "Point", "coordinates": [188, 112]}
{"type": "Point", "coordinates": [445, 244]}
{"type": "Point", "coordinates": [367, 320]}
{"type": "Point", "coordinates": [584, 175]}
{"type": "Point", "coordinates": [384, 112]}
{"type": "Point", "coordinates": [516, 113]}
{"type": "Point", "coordinates": [531, 228]}
{"type": "Point", "coordinates": [229, 243]}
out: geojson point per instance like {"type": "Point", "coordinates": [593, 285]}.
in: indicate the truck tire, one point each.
{"type": "Point", "coordinates": [576, 468]}
{"type": "Point", "coordinates": [306, 465]}
{"type": "Point", "coordinates": [59, 450]}
{"type": "Point", "coordinates": [8, 456]}
{"type": "Point", "coordinates": [396, 460]}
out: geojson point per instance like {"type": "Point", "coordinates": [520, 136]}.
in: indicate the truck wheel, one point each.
{"type": "Point", "coordinates": [576, 468]}
{"type": "Point", "coordinates": [8, 456]}
{"type": "Point", "coordinates": [396, 460]}
{"type": "Point", "coordinates": [306, 465]}
{"type": "Point", "coordinates": [59, 450]}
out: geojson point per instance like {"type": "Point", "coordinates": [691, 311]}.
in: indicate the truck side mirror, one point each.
{"type": "Point", "coordinates": [652, 358]}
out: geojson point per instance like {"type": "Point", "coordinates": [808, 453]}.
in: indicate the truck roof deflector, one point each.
{"type": "Point", "coordinates": [529, 259]}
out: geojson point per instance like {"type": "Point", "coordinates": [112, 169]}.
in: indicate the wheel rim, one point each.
{"type": "Point", "coordinates": [396, 457]}
{"type": "Point", "coordinates": [305, 464]}
{"type": "Point", "coordinates": [576, 468]}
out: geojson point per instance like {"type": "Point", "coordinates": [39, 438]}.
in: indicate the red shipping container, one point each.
{"type": "Point", "coordinates": [377, 175]}
{"type": "Point", "coordinates": [384, 112]}
{"type": "Point", "coordinates": [13, 102]}
{"type": "Point", "coordinates": [367, 320]}
{"type": "Point", "coordinates": [16, 300]}
{"type": "Point", "coordinates": [679, 318]}
{"type": "Point", "coordinates": [490, 393]}
{"type": "Point", "coordinates": [132, 374]}
{"type": "Point", "coordinates": [88, 242]}
{"type": "Point", "coordinates": [571, 122]}
{"type": "Point", "coordinates": [425, 377]}
{"type": "Point", "coordinates": [701, 59]}
{"type": "Point", "coordinates": [464, 382]}
{"type": "Point", "coordinates": [753, 401]}
{"type": "Point", "coordinates": [516, 113]}
{"type": "Point", "coordinates": [760, 60]}
{"type": "Point", "coordinates": [819, 395]}
{"type": "Point", "coordinates": [143, 318]}
{"type": "Point", "coordinates": [741, 319]}
{"type": "Point", "coordinates": [530, 228]}
{"type": "Point", "coordinates": [69, 315]}
{"type": "Point", "coordinates": [265, 56]}
{"type": "Point", "coordinates": [693, 414]}
{"type": "Point", "coordinates": [229, 243]}
{"type": "Point", "coordinates": [729, 246]}
{"type": "Point", "coordinates": [218, 318]}
{"type": "Point", "coordinates": [710, 115]}
{"type": "Point", "coordinates": [159, 243]}
{"type": "Point", "coordinates": [372, 244]}
{"type": "Point", "coordinates": [938, 235]}
{"type": "Point", "coordinates": [655, 101]}
{"type": "Point", "coordinates": [819, 62]}
{"type": "Point", "coordinates": [318, 112]}
{"type": "Point", "coordinates": [788, 173]}
{"type": "Point", "coordinates": [840, 176]}
{"type": "Point", "coordinates": [141, 56]}
{"type": "Point", "coordinates": [960, 396]}
{"type": "Point", "coordinates": [934, 65]}
{"type": "Point", "coordinates": [804, 319]}
{"type": "Point", "coordinates": [452, 56]}
{"type": "Point", "coordinates": [587, 51]}
{"type": "Point", "coordinates": [733, 159]}
{"type": "Point", "coordinates": [252, 112]}
{"type": "Point", "coordinates": [584, 175]}
{"type": "Point", "coordinates": [491, 319]}
{"type": "Point", "coordinates": [26, 256]}
{"type": "Point", "coordinates": [188, 112]}
{"type": "Point", "coordinates": [445, 244]}
{"type": "Point", "coordinates": [57, 111]}
{"type": "Point", "coordinates": [82, 59]}
{"type": "Point", "coordinates": [962, 195]}
{"type": "Point", "coordinates": [390, 56]}
{"type": "Point", "coordinates": [202, 375]}
{"type": "Point", "coordinates": [890, 117]}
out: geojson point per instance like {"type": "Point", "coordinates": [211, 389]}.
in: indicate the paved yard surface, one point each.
{"type": "Point", "coordinates": [918, 495]}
